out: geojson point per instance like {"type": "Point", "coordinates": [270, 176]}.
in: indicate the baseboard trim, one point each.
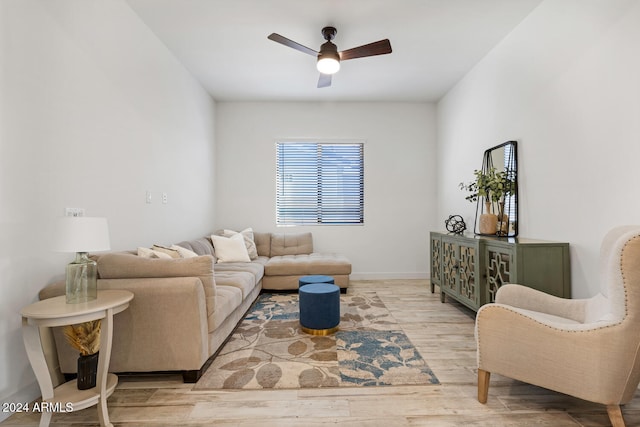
{"type": "Point", "coordinates": [28, 393]}
{"type": "Point", "coordinates": [388, 276]}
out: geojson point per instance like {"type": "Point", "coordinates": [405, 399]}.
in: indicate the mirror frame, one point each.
{"type": "Point", "coordinates": [511, 203]}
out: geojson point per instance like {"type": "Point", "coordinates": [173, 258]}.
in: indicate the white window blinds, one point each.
{"type": "Point", "coordinates": [319, 183]}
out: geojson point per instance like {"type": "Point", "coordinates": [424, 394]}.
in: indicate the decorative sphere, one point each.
{"type": "Point", "coordinates": [455, 224]}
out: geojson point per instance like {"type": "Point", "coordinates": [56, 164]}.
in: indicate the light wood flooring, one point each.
{"type": "Point", "coordinates": [443, 333]}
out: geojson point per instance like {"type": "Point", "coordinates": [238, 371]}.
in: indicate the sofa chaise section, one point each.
{"type": "Point", "coordinates": [291, 256]}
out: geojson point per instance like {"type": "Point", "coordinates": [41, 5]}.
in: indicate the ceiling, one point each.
{"type": "Point", "coordinates": [224, 44]}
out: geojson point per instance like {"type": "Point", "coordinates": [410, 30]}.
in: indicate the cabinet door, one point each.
{"type": "Point", "coordinates": [499, 270]}
{"type": "Point", "coordinates": [469, 288]}
{"type": "Point", "coordinates": [449, 273]}
{"type": "Point", "coordinates": [460, 267]}
{"type": "Point", "coordinates": [436, 260]}
{"type": "Point", "coordinates": [545, 267]}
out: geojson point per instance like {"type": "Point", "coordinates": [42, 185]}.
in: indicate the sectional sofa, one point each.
{"type": "Point", "coordinates": [184, 309]}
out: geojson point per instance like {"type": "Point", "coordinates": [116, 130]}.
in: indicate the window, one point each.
{"type": "Point", "coordinates": [319, 183]}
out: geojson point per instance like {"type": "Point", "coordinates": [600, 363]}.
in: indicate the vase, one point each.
{"type": "Point", "coordinates": [502, 227]}
{"type": "Point", "coordinates": [81, 279]}
{"type": "Point", "coordinates": [488, 222]}
{"type": "Point", "coordinates": [87, 371]}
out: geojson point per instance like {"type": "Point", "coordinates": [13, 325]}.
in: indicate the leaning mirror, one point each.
{"type": "Point", "coordinates": [497, 202]}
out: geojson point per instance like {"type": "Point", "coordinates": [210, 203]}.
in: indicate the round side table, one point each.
{"type": "Point", "coordinates": [56, 312]}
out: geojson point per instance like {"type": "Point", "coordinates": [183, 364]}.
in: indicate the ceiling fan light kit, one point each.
{"type": "Point", "coordinates": [328, 64]}
{"type": "Point", "coordinates": [328, 59]}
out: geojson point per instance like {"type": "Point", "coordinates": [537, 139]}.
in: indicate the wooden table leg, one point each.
{"type": "Point", "coordinates": [106, 336]}
{"type": "Point", "coordinates": [33, 346]}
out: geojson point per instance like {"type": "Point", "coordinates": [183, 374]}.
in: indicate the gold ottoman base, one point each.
{"type": "Point", "coordinates": [321, 332]}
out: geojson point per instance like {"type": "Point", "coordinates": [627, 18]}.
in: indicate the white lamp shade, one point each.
{"type": "Point", "coordinates": [328, 65]}
{"type": "Point", "coordinates": [81, 234]}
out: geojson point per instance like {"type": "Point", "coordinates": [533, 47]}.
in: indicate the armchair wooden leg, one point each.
{"type": "Point", "coordinates": [483, 385]}
{"type": "Point", "coordinates": [615, 415]}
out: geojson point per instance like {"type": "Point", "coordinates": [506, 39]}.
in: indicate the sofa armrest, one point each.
{"type": "Point", "coordinates": [164, 328]}
{"type": "Point", "coordinates": [121, 265]}
{"type": "Point", "coordinates": [167, 321]}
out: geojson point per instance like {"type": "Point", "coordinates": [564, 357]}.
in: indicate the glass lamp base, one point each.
{"type": "Point", "coordinates": [82, 284]}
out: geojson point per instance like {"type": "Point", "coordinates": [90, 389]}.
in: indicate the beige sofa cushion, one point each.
{"type": "Point", "coordinates": [263, 243]}
{"type": "Point", "coordinates": [229, 298]}
{"type": "Point", "coordinates": [242, 280]}
{"type": "Point", "coordinates": [301, 265]}
{"type": "Point", "coordinates": [255, 267]}
{"type": "Point", "coordinates": [291, 244]}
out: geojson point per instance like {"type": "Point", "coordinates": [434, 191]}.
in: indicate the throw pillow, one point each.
{"type": "Point", "coordinates": [171, 252]}
{"type": "Point", "coordinates": [230, 249]}
{"type": "Point", "coordinates": [150, 253]}
{"type": "Point", "coordinates": [184, 252]}
{"type": "Point", "coordinates": [247, 234]}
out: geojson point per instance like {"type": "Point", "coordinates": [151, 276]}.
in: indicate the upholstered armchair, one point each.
{"type": "Point", "coordinates": [587, 348]}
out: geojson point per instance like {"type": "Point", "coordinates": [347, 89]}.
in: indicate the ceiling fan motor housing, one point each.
{"type": "Point", "coordinates": [329, 50]}
{"type": "Point", "coordinates": [329, 33]}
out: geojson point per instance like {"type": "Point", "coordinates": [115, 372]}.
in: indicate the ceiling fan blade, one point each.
{"type": "Point", "coordinates": [290, 43]}
{"type": "Point", "coordinates": [324, 80]}
{"type": "Point", "coordinates": [380, 47]}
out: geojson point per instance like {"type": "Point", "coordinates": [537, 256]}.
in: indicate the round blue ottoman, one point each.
{"type": "Point", "coordinates": [319, 308]}
{"type": "Point", "coordinates": [307, 280]}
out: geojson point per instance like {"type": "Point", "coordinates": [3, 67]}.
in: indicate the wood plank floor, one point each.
{"type": "Point", "coordinates": [443, 333]}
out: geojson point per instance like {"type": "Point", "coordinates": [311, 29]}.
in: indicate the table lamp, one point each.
{"type": "Point", "coordinates": [81, 235]}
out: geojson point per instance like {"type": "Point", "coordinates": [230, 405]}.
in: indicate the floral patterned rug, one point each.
{"type": "Point", "coordinates": [268, 349]}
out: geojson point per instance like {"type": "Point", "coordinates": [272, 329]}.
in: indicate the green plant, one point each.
{"type": "Point", "coordinates": [84, 337]}
{"type": "Point", "coordinates": [491, 185]}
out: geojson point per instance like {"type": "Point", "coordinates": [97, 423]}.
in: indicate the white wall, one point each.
{"type": "Point", "coordinates": [565, 84]}
{"type": "Point", "coordinates": [400, 176]}
{"type": "Point", "coordinates": [94, 111]}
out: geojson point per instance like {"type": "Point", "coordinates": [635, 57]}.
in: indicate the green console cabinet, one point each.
{"type": "Point", "coordinates": [471, 269]}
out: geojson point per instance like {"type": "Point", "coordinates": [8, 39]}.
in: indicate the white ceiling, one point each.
{"type": "Point", "coordinates": [224, 44]}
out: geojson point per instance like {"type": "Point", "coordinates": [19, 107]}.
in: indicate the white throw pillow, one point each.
{"type": "Point", "coordinates": [150, 253]}
{"type": "Point", "coordinates": [230, 249]}
{"type": "Point", "coordinates": [184, 252]}
{"type": "Point", "coordinates": [247, 234]}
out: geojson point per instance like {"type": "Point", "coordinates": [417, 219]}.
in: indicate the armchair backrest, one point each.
{"type": "Point", "coordinates": [619, 290]}
{"type": "Point", "coordinates": [628, 248]}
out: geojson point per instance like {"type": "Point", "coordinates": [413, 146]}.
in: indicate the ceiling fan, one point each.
{"type": "Point", "coordinates": [329, 58]}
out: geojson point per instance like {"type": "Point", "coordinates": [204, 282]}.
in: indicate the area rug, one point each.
{"type": "Point", "coordinates": [268, 350]}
